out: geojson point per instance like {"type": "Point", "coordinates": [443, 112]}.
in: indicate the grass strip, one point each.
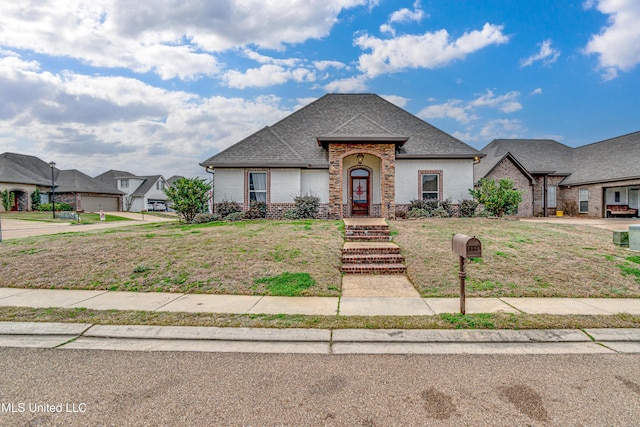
{"type": "Point", "coordinates": [442, 321]}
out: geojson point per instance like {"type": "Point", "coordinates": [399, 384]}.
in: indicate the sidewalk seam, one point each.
{"type": "Point", "coordinates": [512, 306]}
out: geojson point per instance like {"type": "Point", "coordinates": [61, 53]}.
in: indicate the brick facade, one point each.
{"type": "Point", "coordinates": [384, 152]}
{"type": "Point", "coordinates": [569, 196]}
{"type": "Point", "coordinates": [507, 169]}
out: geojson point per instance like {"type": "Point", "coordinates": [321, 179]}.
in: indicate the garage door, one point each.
{"type": "Point", "coordinates": [97, 203]}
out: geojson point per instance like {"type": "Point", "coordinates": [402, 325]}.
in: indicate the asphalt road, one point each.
{"type": "Point", "coordinates": [212, 389]}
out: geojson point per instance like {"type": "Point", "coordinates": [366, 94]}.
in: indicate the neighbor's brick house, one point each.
{"type": "Point", "coordinates": [553, 176]}
{"type": "Point", "coordinates": [360, 154]}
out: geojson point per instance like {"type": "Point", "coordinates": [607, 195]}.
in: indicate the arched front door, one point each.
{"type": "Point", "coordinates": [360, 196]}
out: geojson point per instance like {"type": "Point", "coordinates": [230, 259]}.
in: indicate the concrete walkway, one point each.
{"type": "Point", "coordinates": [328, 306]}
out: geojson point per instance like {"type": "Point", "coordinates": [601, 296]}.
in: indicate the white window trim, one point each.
{"type": "Point", "coordinates": [582, 191]}
{"type": "Point", "coordinates": [249, 190]}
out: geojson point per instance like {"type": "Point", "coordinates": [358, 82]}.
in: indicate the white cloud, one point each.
{"type": "Point", "coordinates": [429, 50]}
{"type": "Point", "coordinates": [169, 38]}
{"type": "Point", "coordinates": [324, 65]}
{"type": "Point", "coordinates": [407, 15]}
{"type": "Point", "coordinates": [506, 103]}
{"type": "Point", "coordinates": [348, 85]}
{"type": "Point", "coordinates": [453, 109]}
{"type": "Point", "coordinates": [536, 91]}
{"type": "Point", "coordinates": [466, 112]}
{"type": "Point", "coordinates": [98, 123]}
{"type": "Point", "coordinates": [546, 54]}
{"type": "Point", "coordinates": [267, 75]}
{"type": "Point", "coordinates": [400, 101]}
{"type": "Point", "coordinates": [618, 44]}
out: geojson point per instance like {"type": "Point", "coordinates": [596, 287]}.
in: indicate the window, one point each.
{"type": "Point", "coordinates": [159, 185]}
{"type": "Point", "coordinates": [258, 186]}
{"type": "Point", "coordinates": [616, 197]}
{"type": "Point", "coordinates": [551, 196]}
{"type": "Point", "coordinates": [124, 183]}
{"type": "Point", "coordinates": [430, 186]}
{"type": "Point", "coordinates": [583, 200]}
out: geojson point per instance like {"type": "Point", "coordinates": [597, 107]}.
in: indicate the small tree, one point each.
{"type": "Point", "coordinates": [498, 199]}
{"type": "Point", "coordinates": [8, 199]}
{"type": "Point", "coordinates": [36, 198]}
{"type": "Point", "coordinates": [188, 196]}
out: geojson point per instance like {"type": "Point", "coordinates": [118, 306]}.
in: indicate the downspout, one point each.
{"type": "Point", "coordinates": [210, 170]}
{"type": "Point", "coordinates": [544, 196]}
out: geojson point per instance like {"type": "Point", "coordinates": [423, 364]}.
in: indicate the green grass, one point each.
{"type": "Point", "coordinates": [634, 258]}
{"type": "Point", "coordinates": [287, 284]}
{"type": "Point", "coordinates": [442, 321]}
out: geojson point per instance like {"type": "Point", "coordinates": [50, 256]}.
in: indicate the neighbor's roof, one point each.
{"type": "Point", "coordinates": [147, 184]}
{"type": "Point", "coordinates": [109, 177]}
{"type": "Point", "coordinates": [294, 140]}
{"type": "Point", "coordinates": [24, 169]}
{"type": "Point", "coordinates": [609, 160]}
{"type": "Point", "coordinates": [73, 181]}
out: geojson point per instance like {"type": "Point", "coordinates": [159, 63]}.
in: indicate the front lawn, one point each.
{"type": "Point", "coordinates": [268, 257]}
{"type": "Point", "coordinates": [223, 258]}
{"type": "Point", "coordinates": [518, 259]}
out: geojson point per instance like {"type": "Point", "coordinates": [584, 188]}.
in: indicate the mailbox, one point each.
{"type": "Point", "coordinates": [466, 246]}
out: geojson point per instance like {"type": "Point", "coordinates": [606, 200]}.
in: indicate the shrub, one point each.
{"type": "Point", "coordinates": [234, 216]}
{"type": "Point", "coordinates": [307, 205]}
{"type": "Point", "coordinates": [226, 207]}
{"type": "Point", "coordinates": [468, 208]}
{"type": "Point", "coordinates": [188, 197]}
{"type": "Point", "coordinates": [418, 213]}
{"type": "Point", "coordinates": [570, 208]}
{"type": "Point", "coordinates": [427, 205]}
{"type": "Point", "coordinates": [440, 212]}
{"type": "Point", "coordinates": [291, 214]}
{"type": "Point", "coordinates": [203, 218]}
{"type": "Point", "coordinates": [437, 208]}
{"type": "Point", "coordinates": [400, 213]}
{"type": "Point", "coordinates": [498, 198]}
{"type": "Point", "coordinates": [36, 197]}
{"type": "Point", "coordinates": [257, 210]}
{"type": "Point", "coordinates": [447, 206]}
{"type": "Point", "coordinates": [45, 207]}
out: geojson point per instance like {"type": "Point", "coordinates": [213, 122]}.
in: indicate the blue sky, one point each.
{"type": "Point", "coordinates": [157, 87]}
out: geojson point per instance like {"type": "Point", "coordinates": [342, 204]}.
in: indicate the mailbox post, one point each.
{"type": "Point", "coordinates": [466, 247]}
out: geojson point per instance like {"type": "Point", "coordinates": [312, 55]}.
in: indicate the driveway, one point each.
{"type": "Point", "coordinates": [16, 228]}
{"type": "Point", "coordinates": [613, 224]}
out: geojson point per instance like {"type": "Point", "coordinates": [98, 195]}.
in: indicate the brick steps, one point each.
{"type": "Point", "coordinates": [368, 250]}
{"type": "Point", "coordinates": [373, 268]}
{"type": "Point", "coordinates": [372, 259]}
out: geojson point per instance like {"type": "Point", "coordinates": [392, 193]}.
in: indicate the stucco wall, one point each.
{"type": "Point", "coordinates": [457, 178]}
{"type": "Point", "coordinates": [285, 185]}
{"type": "Point", "coordinates": [316, 182]}
{"type": "Point", "coordinates": [25, 188]}
{"type": "Point", "coordinates": [229, 185]}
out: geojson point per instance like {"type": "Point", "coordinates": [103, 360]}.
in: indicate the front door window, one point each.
{"type": "Point", "coordinates": [360, 192]}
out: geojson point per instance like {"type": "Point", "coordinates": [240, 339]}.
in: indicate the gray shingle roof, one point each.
{"type": "Point", "coordinates": [74, 181]}
{"type": "Point", "coordinates": [109, 177]}
{"type": "Point", "coordinates": [293, 141]}
{"type": "Point", "coordinates": [23, 169]}
{"type": "Point", "coordinates": [149, 181]}
{"type": "Point", "coordinates": [609, 160]}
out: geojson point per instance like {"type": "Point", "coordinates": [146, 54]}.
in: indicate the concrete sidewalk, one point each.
{"type": "Point", "coordinates": [316, 341]}
{"type": "Point", "coordinates": [328, 306]}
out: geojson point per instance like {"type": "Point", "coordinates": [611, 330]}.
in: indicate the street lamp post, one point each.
{"type": "Point", "coordinates": [53, 191]}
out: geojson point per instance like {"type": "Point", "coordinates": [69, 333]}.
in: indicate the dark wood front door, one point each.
{"type": "Point", "coordinates": [359, 195]}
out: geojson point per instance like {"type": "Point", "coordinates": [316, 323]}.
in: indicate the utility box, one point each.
{"type": "Point", "coordinates": [634, 237]}
{"type": "Point", "coordinates": [621, 238]}
{"type": "Point", "coordinates": [466, 246]}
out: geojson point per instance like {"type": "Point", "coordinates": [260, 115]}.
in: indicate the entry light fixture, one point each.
{"type": "Point", "coordinates": [360, 158]}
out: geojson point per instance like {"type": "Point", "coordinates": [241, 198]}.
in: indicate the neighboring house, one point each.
{"type": "Point", "coordinates": [22, 174]}
{"type": "Point", "coordinates": [360, 154]}
{"type": "Point", "coordinates": [556, 177]}
{"type": "Point", "coordinates": [140, 192]}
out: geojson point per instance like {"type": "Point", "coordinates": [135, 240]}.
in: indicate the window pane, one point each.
{"type": "Point", "coordinates": [257, 181]}
{"type": "Point", "coordinates": [429, 196]}
{"type": "Point", "coordinates": [584, 206]}
{"type": "Point", "coordinates": [430, 183]}
{"type": "Point", "coordinates": [359, 172]}
{"type": "Point", "coordinates": [551, 196]}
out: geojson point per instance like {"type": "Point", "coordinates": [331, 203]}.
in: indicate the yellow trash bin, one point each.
{"type": "Point", "coordinates": [559, 213]}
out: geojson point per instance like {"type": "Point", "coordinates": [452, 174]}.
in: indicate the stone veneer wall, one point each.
{"type": "Point", "coordinates": [385, 152]}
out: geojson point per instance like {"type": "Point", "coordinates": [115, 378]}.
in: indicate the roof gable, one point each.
{"type": "Point", "coordinates": [293, 140]}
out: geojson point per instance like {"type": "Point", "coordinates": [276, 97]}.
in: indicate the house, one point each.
{"type": "Point", "coordinates": [360, 154]}
{"type": "Point", "coordinates": [140, 192]}
{"type": "Point", "coordinates": [552, 176]}
{"type": "Point", "coordinates": [22, 175]}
